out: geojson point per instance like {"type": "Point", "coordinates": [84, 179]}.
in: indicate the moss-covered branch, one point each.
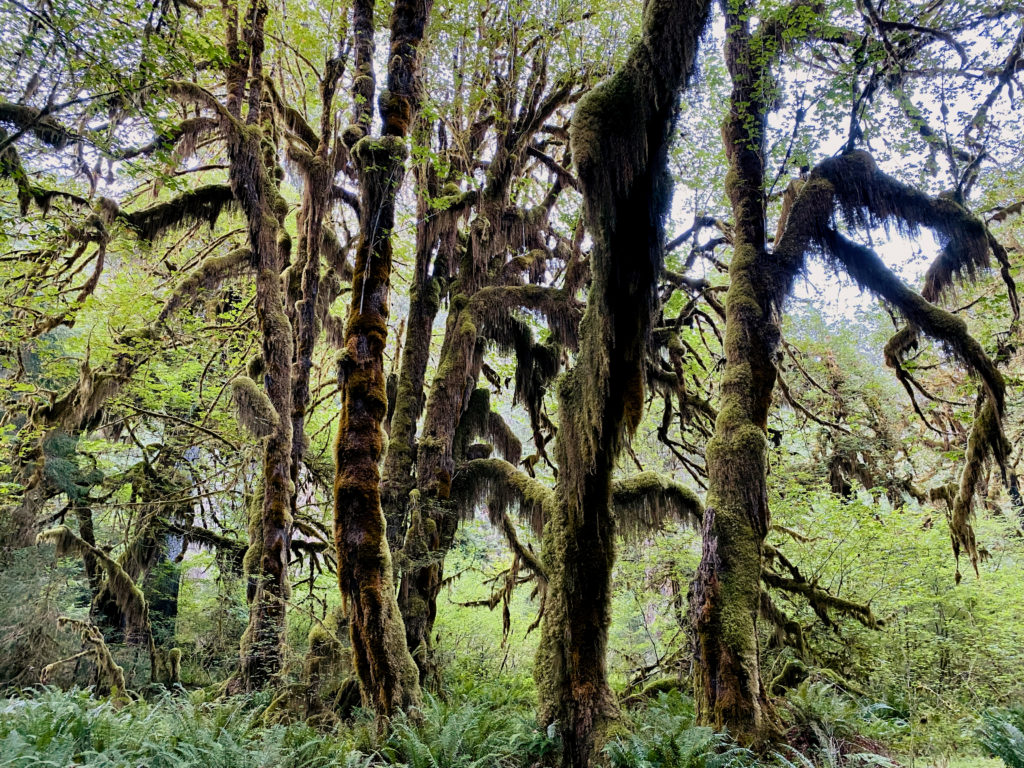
{"type": "Point", "coordinates": [502, 488]}
{"type": "Point", "coordinates": [109, 674]}
{"type": "Point", "coordinates": [644, 502]}
{"type": "Point", "coordinates": [43, 125]}
{"type": "Point", "coordinates": [129, 597]}
{"type": "Point", "coordinates": [495, 305]}
{"type": "Point", "coordinates": [854, 185]}
{"type": "Point", "coordinates": [203, 205]}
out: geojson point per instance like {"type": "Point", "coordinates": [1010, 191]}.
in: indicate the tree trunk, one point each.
{"type": "Point", "coordinates": [386, 671]}
{"type": "Point", "coordinates": [433, 521]}
{"type": "Point", "coordinates": [387, 674]}
{"type": "Point", "coordinates": [726, 594]}
{"type": "Point", "coordinates": [620, 136]}
{"type": "Point", "coordinates": [264, 209]}
{"type": "Point", "coordinates": [434, 230]}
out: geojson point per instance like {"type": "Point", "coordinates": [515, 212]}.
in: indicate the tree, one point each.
{"type": "Point", "coordinates": [387, 675]}
{"type": "Point", "coordinates": [726, 594]}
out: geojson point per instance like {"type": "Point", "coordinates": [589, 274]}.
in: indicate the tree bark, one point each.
{"type": "Point", "coordinates": [387, 674]}
{"type": "Point", "coordinates": [620, 136]}
{"type": "Point", "coordinates": [256, 191]}
{"type": "Point", "coordinates": [725, 595]}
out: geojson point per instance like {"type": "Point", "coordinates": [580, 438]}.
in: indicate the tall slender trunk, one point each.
{"type": "Point", "coordinates": [250, 162]}
{"type": "Point", "coordinates": [386, 671]}
{"type": "Point", "coordinates": [435, 231]}
{"type": "Point", "coordinates": [387, 674]}
{"type": "Point", "coordinates": [620, 135]}
{"type": "Point", "coordinates": [726, 594]}
{"type": "Point", "coordinates": [433, 521]}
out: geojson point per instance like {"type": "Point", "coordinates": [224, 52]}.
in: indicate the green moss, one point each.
{"type": "Point", "coordinates": [379, 152]}
{"type": "Point", "coordinates": [253, 406]}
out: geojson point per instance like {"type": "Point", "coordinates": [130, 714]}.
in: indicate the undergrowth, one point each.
{"type": "Point", "coordinates": [474, 725]}
{"type": "Point", "coordinates": [663, 735]}
{"type": "Point", "coordinates": [49, 727]}
{"type": "Point", "coordinates": [1002, 734]}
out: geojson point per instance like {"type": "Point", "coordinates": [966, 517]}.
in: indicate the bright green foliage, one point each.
{"type": "Point", "coordinates": [57, 728]}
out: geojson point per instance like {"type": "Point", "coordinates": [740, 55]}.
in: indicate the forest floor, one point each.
{"type": "Point", "coordinates": [488, 725]}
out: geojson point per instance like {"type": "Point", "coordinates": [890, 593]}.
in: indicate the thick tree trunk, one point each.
{"type": "Point", "coordinates": [726, 594]}
{"type": "Point", "coordinates": [315, 203]}
{"type": "Point", "coordinates": [620, 135]}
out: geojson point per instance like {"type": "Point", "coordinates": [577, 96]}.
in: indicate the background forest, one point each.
{"type": "Point", "coordinates": [511, 382]}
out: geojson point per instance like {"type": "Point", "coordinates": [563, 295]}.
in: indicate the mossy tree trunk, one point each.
{"type": "Point", "coordinates": [318, 170]}
{"type": "Point", "coordinates": [437, 238]}
{"type": "Point", "coordinates": [252, 156]}
{"type": "Point", "coordinates": [387, 675]}
{"type": "Point", "coordinates": [726, 592]}
{"type": "Point", "coordinates": [433, 521]}
{"type": "Point", "coordinates": [620, 136]}
{"type": "Point", "coordinates": [499, 228]}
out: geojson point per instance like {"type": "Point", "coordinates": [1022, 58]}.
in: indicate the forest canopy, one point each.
{"type": "Point", "coordinates": [511, 382]}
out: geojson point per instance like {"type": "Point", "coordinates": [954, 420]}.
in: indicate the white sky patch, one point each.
{"type": "Point", "coordinates": [837, 296]}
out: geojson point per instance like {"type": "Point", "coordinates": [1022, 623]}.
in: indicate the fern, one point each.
{"type": "Point", "coordinates": [1002, 734]}
{"type": "Point", "coordinates": [664, 734]}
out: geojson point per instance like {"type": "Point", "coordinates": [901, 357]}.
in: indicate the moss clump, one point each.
{"type": "Point", "coordinates": [255, 411]}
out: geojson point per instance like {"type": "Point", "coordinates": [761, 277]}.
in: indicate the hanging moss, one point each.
{"type": "Point", "coordinates": [255, 411]}
{"type": "Point", "coordinates": [45, 127]}
{"type": "Point", "coordinates": [203, 205]}
{"type": "Point", "coordinates": [986, 439]}
{"type": "Point", "coordinates": [645, 501]}
{"type": "Point", "coordinates": [495, 305]}
{"type": "Point", "coordinates": [503, 488]}
{"type": "Point", "coordinates": [480, 421]}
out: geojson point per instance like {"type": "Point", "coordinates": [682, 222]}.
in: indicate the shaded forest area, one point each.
{"type": "Point", "coordinates": [511, 382]}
